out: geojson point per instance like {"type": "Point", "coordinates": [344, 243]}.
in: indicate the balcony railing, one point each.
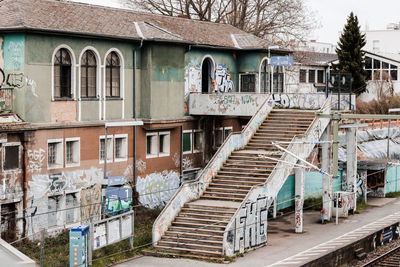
{"type": "Point", "coordinates": [6, 100]}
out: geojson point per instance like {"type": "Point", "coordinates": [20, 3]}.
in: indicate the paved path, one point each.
{"type": "Point", "coordinates": [285, 248]}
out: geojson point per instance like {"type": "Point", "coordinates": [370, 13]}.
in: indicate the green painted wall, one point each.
{"type": "Point", "coordinates": [312, 188]}
{"type": "Point", "coordinates": [392, 179]}
{"type": "Point", "coordinates": [33, 99]}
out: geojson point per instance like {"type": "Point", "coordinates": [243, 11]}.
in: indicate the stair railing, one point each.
{"type": "Point", "coordinates": [189, 191]}
{"type": "Point", "coordinates": [268, 191]}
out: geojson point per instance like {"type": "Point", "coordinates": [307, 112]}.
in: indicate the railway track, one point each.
{"type": "Point", "coordinates": [389, 259]}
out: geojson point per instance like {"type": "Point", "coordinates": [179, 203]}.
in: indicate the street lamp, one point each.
{"type": "Point", "coordinates": [116, 124]}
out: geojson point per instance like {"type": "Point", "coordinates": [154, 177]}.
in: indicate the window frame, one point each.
{"type": "Point", "coordinates": [77, 152]}
{"type": "Point", "coordinates": [124, 137]}
{"type": "Point", "coordinates": [164, 153]}
{"type": "Point", "coordinates": [110, 144]}
{"type": "Point", "coordinates": [86, 69]}
{"type": "Point", "coordinates": [109, 71]}
{"type": "Point", "coordinates": [241, 75]}
{"type": "Point", "coordinates": [303, 71]}
{"type": "Point", "coordinates": [200, 132]}
{"type": "Point", "coordinates": [190, 151]}
{"type": "Point", "coordinates": [266, 70]}
{"type": "Point", "coordinates": [154, 136]}
{"type": "Point", "coordinates": [72, 95]}
{"type": "Point", "coordinates": [59, 160]}
{"type": "Point", "coordinates": [4, 145]}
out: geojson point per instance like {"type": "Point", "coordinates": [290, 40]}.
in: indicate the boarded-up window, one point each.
{"type": "Point", "coordinates": [11, 157]}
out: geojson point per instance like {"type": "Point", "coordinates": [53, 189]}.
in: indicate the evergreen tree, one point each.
{"type": "Point", "coordinates": [350, 54]}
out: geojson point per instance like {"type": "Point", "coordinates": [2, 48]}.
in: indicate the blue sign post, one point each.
{"type": "Point", "coordinates": [78, 246]}
{"type": "Point", "coordinates": [281, 61]}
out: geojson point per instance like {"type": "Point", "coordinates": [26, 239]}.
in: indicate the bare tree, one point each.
{"type": "Point", "coordinates": [274, 20]}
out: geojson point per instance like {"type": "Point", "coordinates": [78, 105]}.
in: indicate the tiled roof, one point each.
{"type": "Point", "coordinates": [71, 17]}
{"type": "Point", "coordinates": [313, 58]}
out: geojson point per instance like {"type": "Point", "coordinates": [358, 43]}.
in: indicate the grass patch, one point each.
{"type": "Point", "coordinates": [361, 205]}
{"type": "Point", "coordinates": [313, 203]}
{"type": "Point", "coordinates": [56, 249]}
{"type": "Point", "coordinates": [393, 194]}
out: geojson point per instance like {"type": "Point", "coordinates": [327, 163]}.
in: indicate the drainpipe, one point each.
{"type": "Point", "coordinates": [24, 187]}
{"type": "Point", "coordinates": [134, 112]}
{"type": "Point", "coordinates": [181, 166]}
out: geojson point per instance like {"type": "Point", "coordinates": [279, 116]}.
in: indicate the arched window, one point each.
{"type": "Point", "coordinates": [207, 69]}
{"type": "Point", "coordinates": [265, 77]}
{"type": "Point", "coordinates": [88, 74]}
{"type": "Point", "coordinates": [62, 74]}
{"type": "Point", "coordinates": [113, 82]}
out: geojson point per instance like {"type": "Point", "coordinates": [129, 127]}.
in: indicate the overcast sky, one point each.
{"type": "Point", "coordinates": [374, 14]}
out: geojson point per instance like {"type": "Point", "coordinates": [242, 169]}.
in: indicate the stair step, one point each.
{"type": "Point", "coordinates": [232, 186]}
{"type": "Point", "coordinates": [188, 250]}
{"type": "Point", "coordinates": [243, 173]}
{"type": "Point", "coordinates": [181, 243]}
{"type": "Point", "coordinates": [207, 236]}
{"type": "Point", "coordinates": [201, 215]}
{"type": "Point", "coordinates": [227, 198]}
{"type": "Point", "coordinates": [190, 229]}
{"type": "Point", "coordinates": [222, 208]}
{"type": "Point", "coordinates": [231, 181]}
{"type": "Point", "coordinates": [214, 211]}
{"type": "Point", "coordinates": [194, 219]}
{"type": "Point", "coordinates": [240, 168]}
{"type": "Point", "coordinates": [224, 194]}
{"type": "Point", "coordinates": [178, 238]}
{"type": "Point", "coordinates": [234, 190]}
{"type": "Point", "coordinates": [264, 167]}
{"type": "Point", "coordinates": [241, 177]}
{"type": "Point", "coordinates": [186, 255]}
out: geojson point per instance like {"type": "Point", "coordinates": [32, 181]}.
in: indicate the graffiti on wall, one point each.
{"type": "Point", "coordinates": [90, 201]}
{"type": "Point", "coordinates": [386, 235]}
{"type": "Point", "coordinates": [192, 81]}
{"type": "Point", "coordinates": [35, 160]}
{"type": "Point", "coordinates": [156, 189]}
{"type": "Point", "coordinates": [361, 186]}
{"type": "Point", "coordinates": [187, 163]}
{"type": "Point", "coordinates": [176, 159]}
{"type": "Point", "coordinates": [223, 79]}
{"type": "Point", "coordinates": [50, 184]}
{"type": "Point", "coordinates": [309, 101]}
{"type": "Point", "coordinates": [141, 166]}
{"type": "Point", "coordinates": [250, 226]}
{"type": "Point", "coordinates": [15, 80]}
{"type": "Point", "coordinates": [14, 52]}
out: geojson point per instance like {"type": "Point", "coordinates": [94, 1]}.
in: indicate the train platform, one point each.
{"type": "Point", "coordinates": [286, 248]}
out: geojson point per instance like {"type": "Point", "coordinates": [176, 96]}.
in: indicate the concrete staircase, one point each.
{"type": "Point", "coordinates": [199, 227]}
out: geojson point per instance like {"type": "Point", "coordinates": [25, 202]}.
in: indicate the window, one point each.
{"type": "Point", "coordinates": [10, 157]}
{"type": "Point", "coordinates": [311, 76]}
{"type": "Point", "coordinates": [187, 141]}
{"type": "Point", "coordinates": [72, 152]}
{"type": "Point", "coordinates": [121, 147]}
{"type": "Point", "coordinates": [53, 208]}
{"type": "Point", "coordinates": [197, 141]}
{"type": "Point", "coordinates": [109, 148]}
{"type": "Point", "coordinates": [113, 75]}
{"type": "Point", "coordinates": [219, 138]}
{"type": "Point", "coordinates": [71, 203]}
{"type": "Point", "coordinates": [303, 76]}
{"type": "Point", "coordinates": [278, 79]}
{"type": "Point", "coordinates": [164, 143]}
{"type": "Point", "coordinates": [380, 70]}
{"type": "Point", "coordinates": [88, 75]}
{"type": "Point", "coordinates": [248, 83]}
{"type": "Point", "coordinates": [54, 153]}
{"type": "Point", "coordinates": [227, 131]}
{"type": "Point", "coordinates": [265, 77]}
{"type": "Point", "coordinates": [320, 76]}
{"type": "Point", "coordinates": [62, 74]}
{"type": "Point", "coordinates": [151, 145]}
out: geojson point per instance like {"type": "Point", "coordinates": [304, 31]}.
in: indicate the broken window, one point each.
{"type": "Point", "coordinates": [88, 74]}
{"type": "Point", "coordinates": [197, 138]}
{"type": "Point", "coordinates": [121, 147]}
{"type": "Point", "coordinates": [113, 69]}
{"type": "Point", "coordinates": [219, 138]}
{"type": "Point", "coordinates": [54, 154]}
{"type": "Point", "coordinates": [248, 83]}
{"type": "Point", "coordinates": [320, 76]}
{"type": "Point", "coordinates": [164, 143]}
{"type": "Point", "coordinates": [62, 74]}
{"type": "Point", "coordinates": [151, 145]}
{"type": "Point", "coordinates": [109, 148]}
{"type": "Point", "coordinates": [72, 153]}
{"type": "Point", "coordinates": [11, 157]}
